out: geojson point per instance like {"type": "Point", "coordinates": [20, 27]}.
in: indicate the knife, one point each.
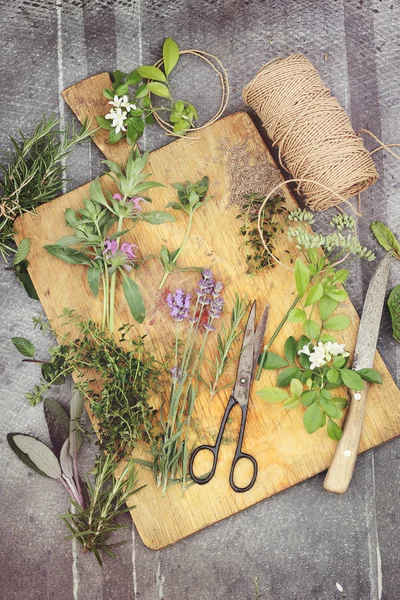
{"type": "Point", "coordinates": [340, 472]}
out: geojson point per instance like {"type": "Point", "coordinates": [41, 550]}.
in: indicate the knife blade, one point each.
{"type": "Point", "coordinates": [340, 472]}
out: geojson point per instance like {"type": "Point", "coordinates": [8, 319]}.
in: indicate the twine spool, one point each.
{"type": "Point", "coordinates": [317, 144]}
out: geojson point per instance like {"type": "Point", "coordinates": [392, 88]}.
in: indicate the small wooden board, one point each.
{"type": "Point", "coordinates": [286, 454]}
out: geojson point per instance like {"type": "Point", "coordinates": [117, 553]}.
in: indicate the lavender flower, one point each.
{"type": "Point", "coordinates": [176, 373]}
{"type": "Point", "coordinates": [128, 250]}
{"type": "Point", "coordinates": [179, 303]}
{"type": "Point", "coordinates": [215, 307]}
{"type": "Point", "coordinates": [136, 202]}
{"type": "Point", "coordinates": [110, 247]}
{"type": "Point", "coordinates": [205, 286]}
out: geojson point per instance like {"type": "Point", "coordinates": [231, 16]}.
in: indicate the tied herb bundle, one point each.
{"type": "Point", "coordinates": [34, 173]}
{"type": "Point", "coordinates": [315, 363]}
{"type": "Point", "coordinates": [93, 245]}
{"type": "Point", "coordinates": [117, 381]}
{"type": "Point", "coordinates": [130, 99]}
{"type": "Point", "coordinates": [171, 454]}
{"type": "Point", "coordinates": [99, 502]}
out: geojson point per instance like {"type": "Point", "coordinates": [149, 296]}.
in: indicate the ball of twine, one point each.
{"type": "Point", "coordinates": [317, 144]}
{"type": "Point", "coordinates": [219, 68]}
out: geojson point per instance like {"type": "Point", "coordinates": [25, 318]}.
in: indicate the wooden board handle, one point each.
{"type": "Point", "coordinates": [341, 469]}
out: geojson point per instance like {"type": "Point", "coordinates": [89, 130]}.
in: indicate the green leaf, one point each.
{"type": "Point", "coordinates": [326, 306]}
{"type": "Point", "coordinates": [44, 459]}
{"type": "Point", "coordinates": [75, 434]}
{"type": "Point", "coordinates": [157, 217]}
{"type": "Point", "coordinates": [339, 362]}
{"type": "Point", "coordinates": [338, 295]}
{"type": "Point", "coordinates": [385, 237]}
{"type": "Point", "coordinates": [337, 323]}
{"type": "Point", "coordinates": [330, 408]}
{"type": "Point", "coordinates": [24, 346]}
{"type": "Point", "coordinates": [115, 137]}
{"type": "Point", "coordinates": [340, 402]}
{"type": "Point", "coordinates": [370, 375]}
{"type": "Point", "coordinates": [314, 294]}
{"type": "Point", "coordinates": [68, 255]}
{"type": "Point", "coordinates": [312, 418]}
{"type": "Point", "coordinates": [94, 279]}
{"type": "Point", "coordinates": [296, 387]}
{"type": "Point", "coordinates": [104, 123]}
{"type": "Point", "coordinates": [170, 54]}
{"type": "Point", "coordinates": [394, 309]}
{"type": "Point", "coordinates": [302, 341]}
{"type": "Point", "coordinates": [22, 252]}
{"type": "Point", "coordinates": [109, 94]}
{"type": "Point", "coordinates": [133, 298]}
{"type": "Point", "coordinates": [301, 276]}
{"type": "Point", "coordinates": [327, 338]}
{"type": "Point", "coordinates": [274, 361]}
{"type": "Point", "coordinates": [311, 328]}
{"type": "Point", "coordinates": [291, 403]}
{"type": "Point", "coordinates": [133, 78]}
{"type": "Point", "coordinates": [272, 394]}
{"type": "Point", "coordinates": [22, 455]}
{"type": "Point", "coordinates": [159, 89]}
{"type": "Point", "coordinates": [333, 430]}
{"type": "Point", "coordinates": [142, 91]}
{"type": "Point", "coordinates": [333, 375]}
{"type": "Point", "coordinates": [308, 397]}
{"type": "Point", "coordinates": [297, 315]}
{"type": "Point", "coordinates": [122, 89]}
{"type": "Point", "coordinates": [290, 349]}
{"type": "Point", "coordinates": [149, 72]}
{"type": "Point", "coordinates": [25, 280]}
{"type": "Point", "coordinates": [57, 423]}
{"type": "Point", "coordinates": [351, 379]}
{"type": "Point", "coordinates": [286, 376]}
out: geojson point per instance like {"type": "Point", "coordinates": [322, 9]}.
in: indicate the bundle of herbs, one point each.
{"type": "Point", "coordinates": [96, 504]}
{"type": "Point", "coordinates": [117, 379]}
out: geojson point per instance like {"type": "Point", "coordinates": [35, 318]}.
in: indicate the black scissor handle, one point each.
{"type": "Point", "coordinates": [210, 475]}
{"type": "Point", "coordinates": [238, 456]}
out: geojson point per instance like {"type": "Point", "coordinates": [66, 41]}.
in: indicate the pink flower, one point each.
{"type": "Point", "coordinates": [128, 250]}
{"type": "Point", "coordinates": [117, 197]}
{"type": "Point", "coordinates": [110, 246]}
{"type": "Point", "coordinates": [136, 202]}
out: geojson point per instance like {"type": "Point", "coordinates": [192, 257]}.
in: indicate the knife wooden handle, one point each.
{"type": "Point", "coordinates": [340, 472]}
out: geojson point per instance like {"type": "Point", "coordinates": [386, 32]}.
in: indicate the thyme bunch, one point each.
{"type": "Point", "coordinates": [34, 173]}
{"type": "Point", "coordinates": [257, 256]}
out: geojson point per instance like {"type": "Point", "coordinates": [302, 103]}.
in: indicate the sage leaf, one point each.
{"type": "Point", "coordinates": [314, 294]}
{"type": "Point", "coordinates": [297, 315]}
{"type": "Point", "coordinates": [370, 375]}
{"type": "Point", "coordinates": [351, 379]}
{"type": "Point", "coordinates": [170, 54]}
{"type": "Point", "coordinates": [68, 255]}
{"type": "Point", "coordinates": [333, 430]}
{"type": "Point", "coordinates": [290, 349]}
{"type": "Point", "coordinates": [22, 252]}
{"type": "Point", "coordinates": [24, 346]}
{"type": "Point", "coordinates": [57, 423]}
{"type": "Point", "coordinates": [157, 217]}
{"type": "Point", "coordinates": [312, 328]}
{"type": "Point", "coordinates": [386, 238]}
{"type": "Point", "coordinates": [301, 276]}
{"type": "Point", "coordinates": [273, 361]}
{"type": "Point", "coordinates": [66, 461]}
{"type": "Point", "coordinates": [45, 460]}
{"type": "Point", "coordinates": [337, 323]}
{"type": "Point", "coordinates": [394, 309]}
{"type": "Point", "coordinates": [272, 394]}
{"type": "Point", "coordinates": [312, 418]}
{"type": "Point", "coordinates": [68, 240]}
{"type": "Point", "coordinates": [96, 193]}
{"type": "Point", "coordinates": [22, 455]}
{"type": "Point", "coordinates": [94, 279]}
{"type": "Point", "coordinates": [133, 298]}
{"type": "Point", "coordinates": [286, 376]}
{"type": "Point", "coordinates": [326, 306]}
{"type": "Point", "coordinates": [150, 72]}
{"type": "Point", "coordinates": [75, 434]}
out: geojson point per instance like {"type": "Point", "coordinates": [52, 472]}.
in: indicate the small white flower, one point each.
{"type": "Point", "coordinates": [305, 350]}
{"type": "Point", "coordinates": [317, 356]}
{"type": "Point", "coordinates": [118, 118]}
{"type": "Point", "coordinates": [126, 104]}
{"type": "Point", "coordinates": [334, 349]}
{"type": "Point", "coordinates": [116, 102]}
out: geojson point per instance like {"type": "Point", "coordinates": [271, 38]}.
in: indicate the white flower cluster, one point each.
{"type": "Point", "coordinates": [321, 354]}
{"type": "Point", "coordinates": [118, 114]}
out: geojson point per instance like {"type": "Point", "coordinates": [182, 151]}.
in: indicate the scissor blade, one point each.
{"type": "Point", "coordinates": [371, 317]}
{"type": "Point", "coordinates": [259, 335]}
{"type": "Point", "coordinates": [245, 366]}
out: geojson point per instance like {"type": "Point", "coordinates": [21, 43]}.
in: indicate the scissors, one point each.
{"type": "Point", "coordinates": [251, 348]}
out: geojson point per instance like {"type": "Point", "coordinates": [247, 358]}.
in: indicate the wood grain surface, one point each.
{"type": "Point", "coordinates": [286, 454]}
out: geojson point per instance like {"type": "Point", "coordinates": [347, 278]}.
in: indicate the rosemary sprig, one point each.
{"type": "Point", "coordinates": [106, 496]}
{"type": "Point", "coordinates": [34, 172]}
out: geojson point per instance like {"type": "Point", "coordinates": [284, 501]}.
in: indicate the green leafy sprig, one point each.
{"type": "Point", "coordinates": [130, 98]}
{"type": "Point", "coordinates": [93, 245]}
{"type": "Point", "coordinates": [191, 197]}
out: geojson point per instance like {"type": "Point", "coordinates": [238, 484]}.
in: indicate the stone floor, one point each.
{"type": "Point", "coordinates": [299, 544]}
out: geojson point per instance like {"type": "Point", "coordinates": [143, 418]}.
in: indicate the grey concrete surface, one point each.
{"type": "Point", "coordinates": [298, 544]}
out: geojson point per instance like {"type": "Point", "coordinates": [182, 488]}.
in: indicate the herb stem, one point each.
{"type": "Point", "coordinates": [184, 242]}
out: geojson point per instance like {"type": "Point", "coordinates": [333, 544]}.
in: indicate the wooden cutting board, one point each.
{"type": "Point", "coordinates": [286, 454]}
